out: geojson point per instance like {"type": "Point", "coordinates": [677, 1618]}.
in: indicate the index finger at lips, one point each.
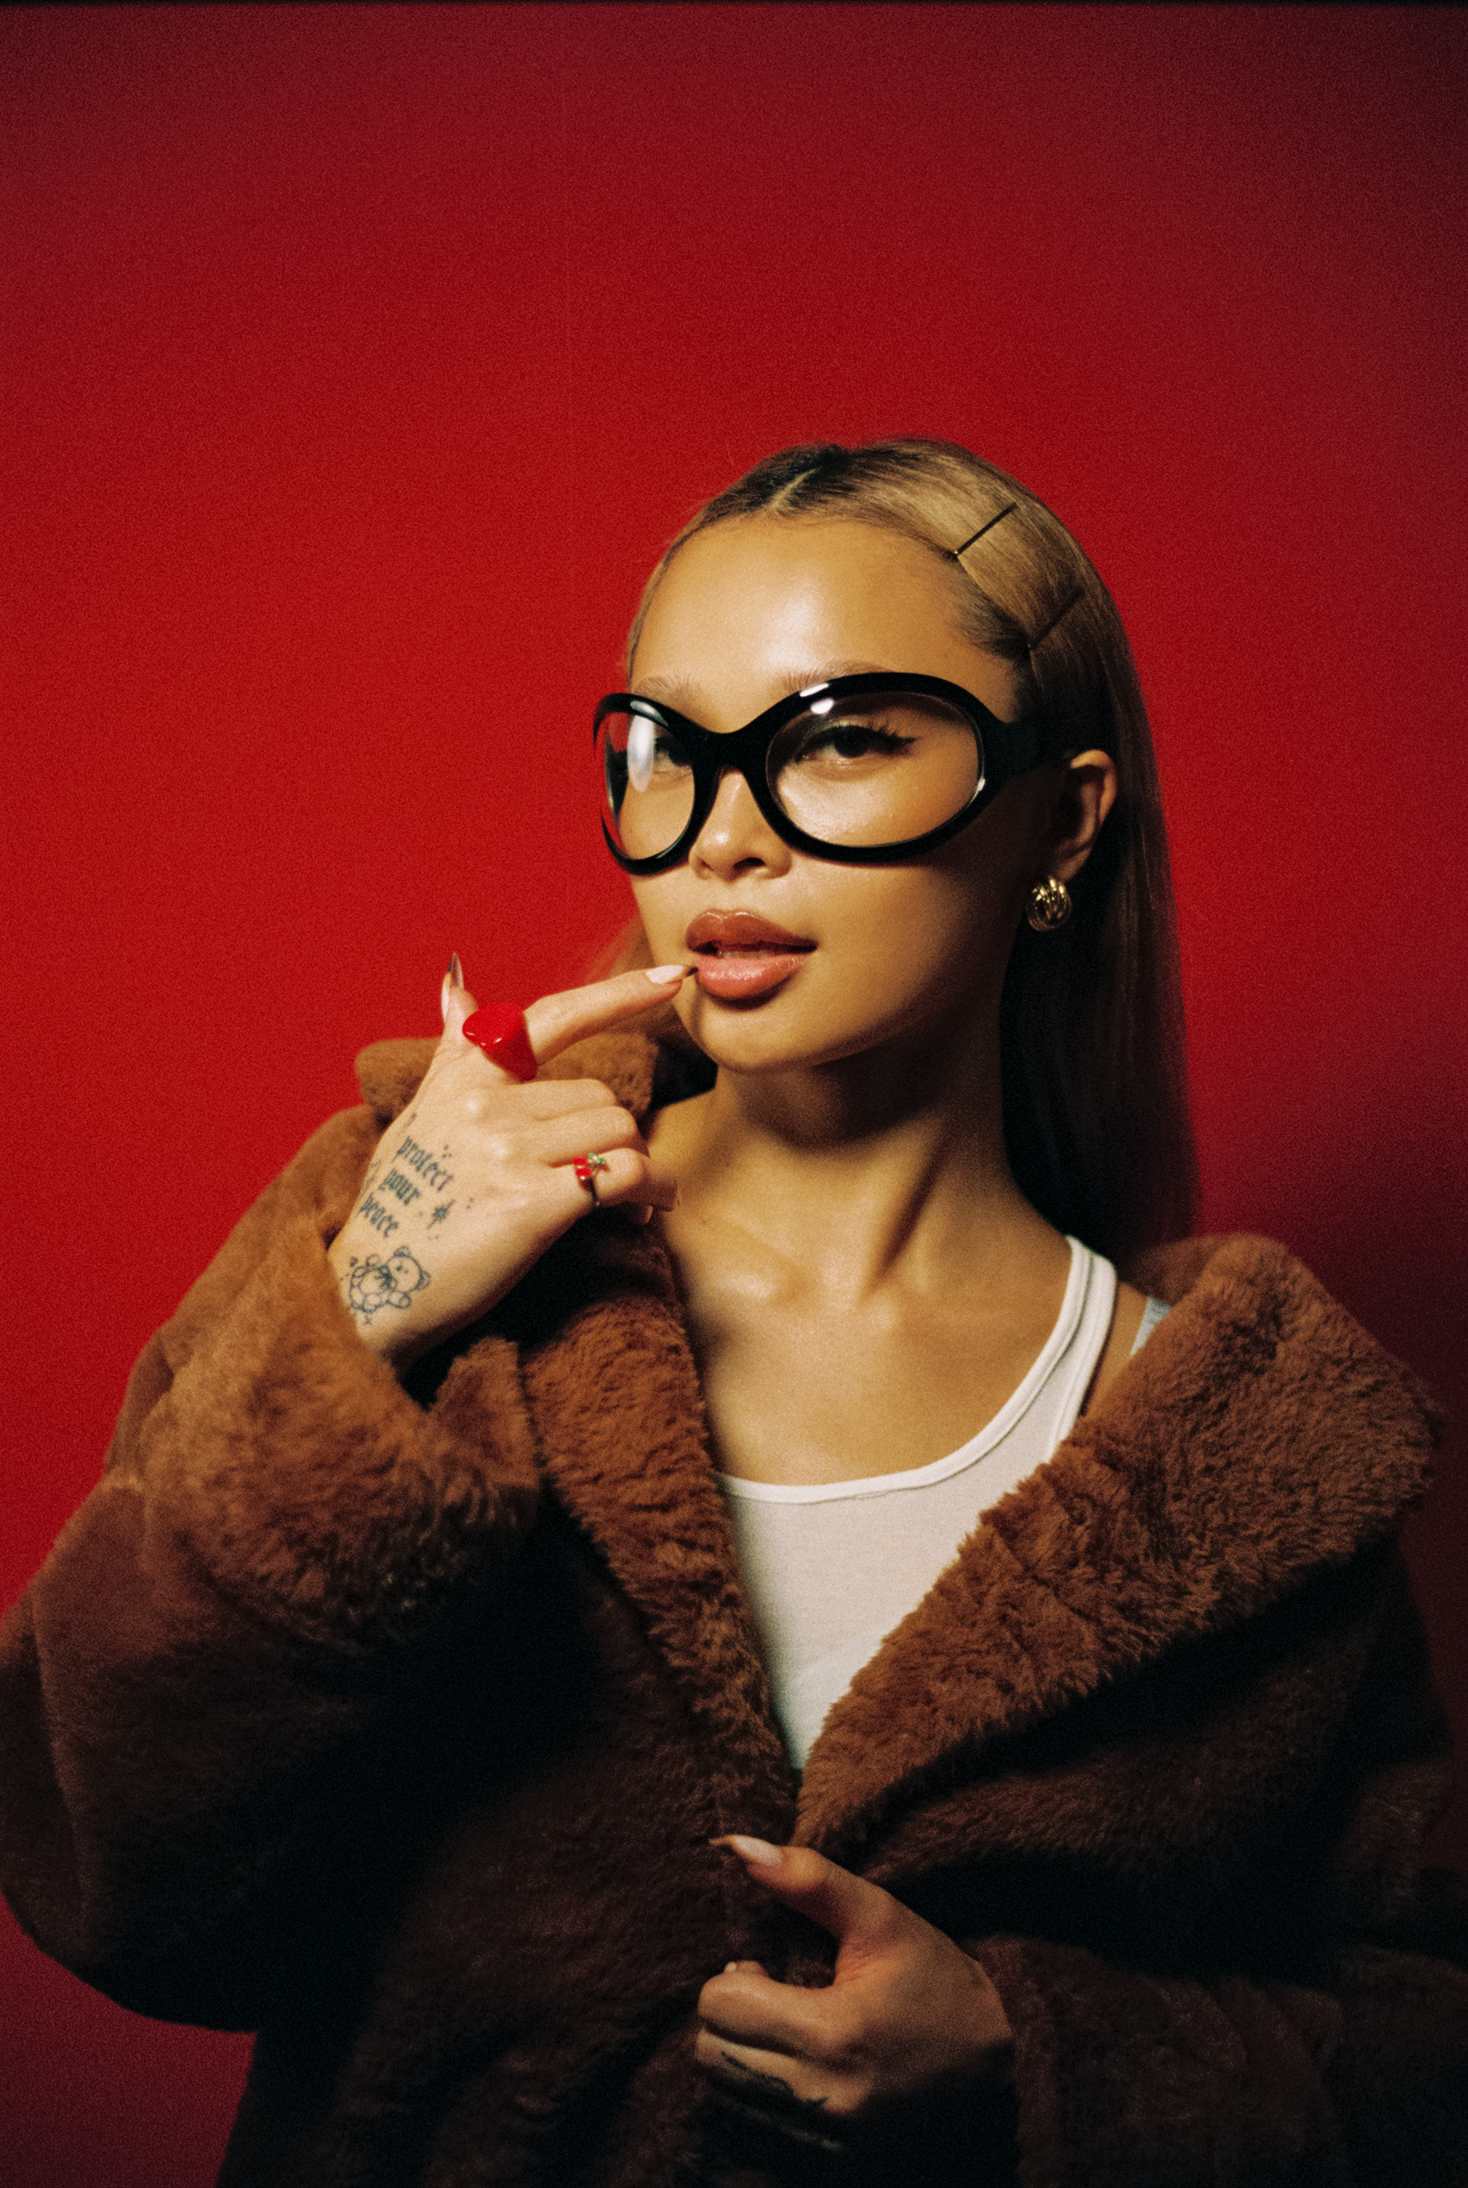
{"type": "Point", "coordinates": [557, 1020]}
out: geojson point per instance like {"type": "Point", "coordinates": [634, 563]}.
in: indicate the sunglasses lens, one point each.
{"type": "Point", "coordinates": [646, 782]}
{"type": "Point", "coordinates": [877, 768]}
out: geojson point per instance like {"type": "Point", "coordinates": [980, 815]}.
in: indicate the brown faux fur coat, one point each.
{"type": "Point", "coordinates": [394, 1723]}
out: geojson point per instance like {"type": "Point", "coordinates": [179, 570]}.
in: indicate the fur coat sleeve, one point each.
{"type": "Point", "coordinates": [393, 1723]}
{"type": "Point", "coordinates": [280, 1532]}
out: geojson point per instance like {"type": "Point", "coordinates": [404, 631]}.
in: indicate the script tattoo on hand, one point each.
{"type": "Point", "coordinates": [432, 1169]}
{"type": "Point", "coordinates": [407, 1156]}
{"type": "Point", "coordinates": [802, 2118]}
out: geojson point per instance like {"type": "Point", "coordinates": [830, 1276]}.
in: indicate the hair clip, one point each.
{"type": "Point", "coordinates": [1064, 609]}
{"type": "Point", "coordinates": [987, 525]}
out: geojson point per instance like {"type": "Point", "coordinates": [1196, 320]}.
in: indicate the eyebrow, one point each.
{"type": "Point", "coordinates": [685, 694]}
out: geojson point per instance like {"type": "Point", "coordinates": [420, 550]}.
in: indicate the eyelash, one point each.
{"type": "Point", "coordinates": [882, 740]}
{"type": "Point", "coordinates": [886, 740]}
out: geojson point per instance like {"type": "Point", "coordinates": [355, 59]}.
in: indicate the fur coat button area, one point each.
{"type": "Point", "coordinates": [392, 1721]}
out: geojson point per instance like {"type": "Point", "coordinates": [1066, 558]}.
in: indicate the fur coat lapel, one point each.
{"type": "Point", "coordinates": [1260, 1433]}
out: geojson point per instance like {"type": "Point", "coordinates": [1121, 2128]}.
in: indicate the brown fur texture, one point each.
{"type": "Point", "coordinates": [393, 1722]}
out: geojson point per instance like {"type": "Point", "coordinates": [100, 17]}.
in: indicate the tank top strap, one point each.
{"type": "Point", "coordinates": [1057, 1403]}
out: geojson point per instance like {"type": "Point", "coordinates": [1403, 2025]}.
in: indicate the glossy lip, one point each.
{"type": "Point", "coordinates": [744, 976]}
{"type": "Point", "coordinates": [740, 931]}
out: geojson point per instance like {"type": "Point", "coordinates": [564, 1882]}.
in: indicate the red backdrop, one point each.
{"type": "Point", "coordinates": [365, 360]}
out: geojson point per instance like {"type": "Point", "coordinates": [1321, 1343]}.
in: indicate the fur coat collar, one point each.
{"type": "Point", "coordinates": [1260, 1435]}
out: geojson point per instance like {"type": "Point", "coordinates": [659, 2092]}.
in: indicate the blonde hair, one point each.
{"type": "Point", "coordinates": [1091, 1024]}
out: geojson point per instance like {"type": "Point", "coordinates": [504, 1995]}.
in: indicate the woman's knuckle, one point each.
{"type": "Point", "coordinates": [853, 2029]}
{"type": "Point", "coordinates": [827, 2044]}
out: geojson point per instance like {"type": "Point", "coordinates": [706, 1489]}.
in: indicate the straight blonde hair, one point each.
{"type": "Point", "coordinates": [1096, 1117]}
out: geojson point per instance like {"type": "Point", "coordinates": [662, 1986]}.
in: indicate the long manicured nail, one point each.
{"type": "Point", "coordinates": [759, 1851]}
{"type": "Point", "coordinates": [453, 978]}
{"type": "Point", "coordinates": [660, 975]}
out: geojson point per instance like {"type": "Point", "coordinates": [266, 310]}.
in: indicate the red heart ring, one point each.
{"type": "Point", "coordinates": [500, 1030]}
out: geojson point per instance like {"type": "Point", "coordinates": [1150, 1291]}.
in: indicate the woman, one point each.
{"type": "Point", "coordinates": [661, 1614]}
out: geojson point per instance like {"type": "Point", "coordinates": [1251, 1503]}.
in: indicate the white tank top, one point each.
{"type": "Point", "coordinates": [831, 1567]}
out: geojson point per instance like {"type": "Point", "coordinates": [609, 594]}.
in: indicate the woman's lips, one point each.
{"type": "Point", "coordinates": [739, 975]}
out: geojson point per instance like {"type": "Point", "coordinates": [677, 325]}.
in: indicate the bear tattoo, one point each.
{"type": "Point", "coordinates": [377, 1283]}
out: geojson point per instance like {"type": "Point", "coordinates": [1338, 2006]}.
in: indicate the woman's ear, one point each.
{"type": "Point", "coordinates": [1086, 794]}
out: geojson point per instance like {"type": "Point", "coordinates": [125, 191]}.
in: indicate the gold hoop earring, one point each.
{"type": "Point", "coordinates": [1049, 905]}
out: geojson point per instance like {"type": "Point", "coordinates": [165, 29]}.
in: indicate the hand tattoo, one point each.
{"type": "Point", "coordinates": [778, 2103]}
{"type": "Point", "coordinates": [407, 1155]}
{"type": "Point", "coordinates": [377, 1283]}
{"type": "Point", "coordinates": [430, 1168]}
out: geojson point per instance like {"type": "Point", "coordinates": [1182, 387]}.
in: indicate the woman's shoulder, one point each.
{"type": "Point", "coordinates": [1254, 1337]}
{"type": "Point", "coordinates": [1170, 1270]}
{"type": "Point", "coordinates": [1259, 1288]}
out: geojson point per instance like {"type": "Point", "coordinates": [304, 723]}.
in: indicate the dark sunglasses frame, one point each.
{"type": "Point", "coordinates": [1006, 749]}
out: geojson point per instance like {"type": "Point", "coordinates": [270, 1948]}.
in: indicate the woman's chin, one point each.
{"type": "Point", "coordinates": [758, 1038]}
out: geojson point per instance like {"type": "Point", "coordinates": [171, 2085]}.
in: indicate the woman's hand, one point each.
{"type": "Point", "coordinates": [907, 2017]}
{"type": "Point", "coordinates": [471, 1184]}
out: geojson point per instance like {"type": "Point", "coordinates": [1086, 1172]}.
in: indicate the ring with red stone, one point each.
{"type": "Point", "coordinates": [586, 1167]}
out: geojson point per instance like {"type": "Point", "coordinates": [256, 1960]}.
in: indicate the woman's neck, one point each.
{"type": "Point", "coordinates": [880, 1172]}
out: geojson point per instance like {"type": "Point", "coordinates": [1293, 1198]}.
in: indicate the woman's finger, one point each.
{"type": "Point", "coordinates": [625, 1180]}
{"type": "Point", "coordinates": [455, 1002]}
{"type": "Point", "coordinates": [453, 978]}
{"type": "Point", "coordinates": [782, 2090]}
{"type": "Point", "coordinates": [749, 2007]}
{"type": "Point", "coordinates": [583, 1132]}
{"type": "Point", "coordinates": [561, 1097]}
{"type": "Point", "coordinates": [538, 1098]}
{"type": "Point", "coordinates": [553, 1022]}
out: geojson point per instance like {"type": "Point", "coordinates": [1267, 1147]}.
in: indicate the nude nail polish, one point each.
{"type": "Point", "coordinates": [758, 1851]}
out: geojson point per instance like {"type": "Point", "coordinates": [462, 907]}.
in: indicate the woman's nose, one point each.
{"type": "Point", "coordinates": [736, 837]}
